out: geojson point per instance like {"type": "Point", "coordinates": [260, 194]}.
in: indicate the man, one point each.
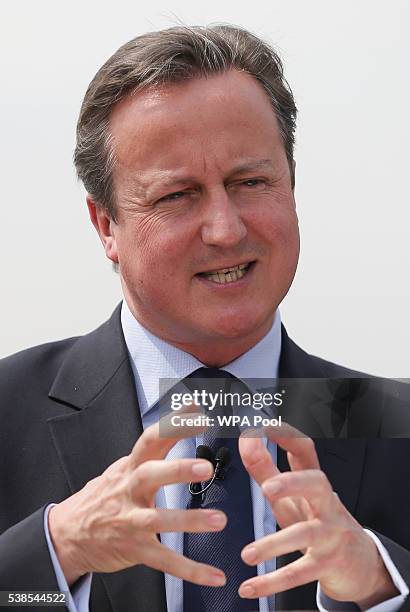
{"type": "Point", "coordinates": [185, 146]}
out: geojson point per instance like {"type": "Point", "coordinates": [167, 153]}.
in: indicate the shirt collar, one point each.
{"type": "Point", "coordinates": [153, 358]}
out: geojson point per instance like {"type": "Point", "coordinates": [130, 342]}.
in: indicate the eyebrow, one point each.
{"type": "Point", "coordinates": [170, 178]}
{"type": "Point", "coordinates": [253, 164]}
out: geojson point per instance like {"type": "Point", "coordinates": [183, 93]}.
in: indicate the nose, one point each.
{"type": "Point", "coordinates": [222, 223]}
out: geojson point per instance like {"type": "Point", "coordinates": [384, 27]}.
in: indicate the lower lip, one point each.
{"type": "Point", "coordinates": [240, 283]}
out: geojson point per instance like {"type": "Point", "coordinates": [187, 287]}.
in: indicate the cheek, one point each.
{"type": "Point", "coordinates": [151, 263]}
{"type": "Point", "coordinates": [282, 235]}
{"type": "Point", "coordinates": [277, 225]}
{"type": "Point", "coordinates": [286, 237]}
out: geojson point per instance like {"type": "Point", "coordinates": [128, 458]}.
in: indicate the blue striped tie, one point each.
{"type": "Point", "coordinates": [233, 496]}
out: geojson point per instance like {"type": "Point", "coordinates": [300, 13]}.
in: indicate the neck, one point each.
{"type": "Point", "coordinates": [218, 354]}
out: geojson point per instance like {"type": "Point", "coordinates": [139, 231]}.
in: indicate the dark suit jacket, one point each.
{"type": "Point", "coordinates": [69, 409]}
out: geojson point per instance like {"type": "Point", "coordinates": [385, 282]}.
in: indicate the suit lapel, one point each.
{"type": "Point", "coordinates": [97, 382]}
{"type": "Point", "coordinates": [341, 459]}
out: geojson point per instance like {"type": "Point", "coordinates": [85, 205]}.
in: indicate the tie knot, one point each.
{"type": "Point", "coordinates": [210, 373]}
{"type": "Point", "coordinates": [211, 380]}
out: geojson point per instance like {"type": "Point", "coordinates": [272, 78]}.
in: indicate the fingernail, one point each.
{"type": "Point", "coordinates": [247, 590]}
{"type": "Point", "coordinates": [216, 519]}
{"type": "Point", "coordinates": [272, 488]}
{"type": "Point", "coordinates": [218, 579]}
{"type": "Point", "coordinates": [249, 554]}
{"type": "Point", "coordinates": [201, 469]}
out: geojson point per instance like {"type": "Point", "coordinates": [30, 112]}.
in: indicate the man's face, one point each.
{"type": "Point", "coordinates": [202, 185]}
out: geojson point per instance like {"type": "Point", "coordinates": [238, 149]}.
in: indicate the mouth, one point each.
{"type": "Point", "coordinates": [227, 275]}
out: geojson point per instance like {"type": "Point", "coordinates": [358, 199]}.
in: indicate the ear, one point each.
{"type": "Point", "coordinates": [105, 227]}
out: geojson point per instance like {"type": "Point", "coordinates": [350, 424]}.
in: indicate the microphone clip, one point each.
{"type": "Point", "coordinates": [220, 461]}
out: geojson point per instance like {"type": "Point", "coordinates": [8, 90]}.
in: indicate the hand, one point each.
{"type": "Point", "coordinates": [336, 550]}
{"type": "Point", "coordinates": [112, 522]}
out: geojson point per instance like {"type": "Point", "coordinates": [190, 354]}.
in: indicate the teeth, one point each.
{"type": "Point", "coordinates": [226, 270]}
{"type": "Point", "coordinates": [228, 275]}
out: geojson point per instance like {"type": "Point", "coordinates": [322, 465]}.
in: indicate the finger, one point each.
{"type": "Point", "coordinates": [258, 462]}
{"type": "Point", "coordinates": [294, 574]}
{"type": "Point", "coordinates": [296, 537]}
{"type": "Point", "coordinates": [166, 560]}
{"type": "Point", "coordinates": [257, 459]}
{"type": "Point", "coordinates": [152, 445]}
{"type": "Point", "coordinates": [156, 473]}
{"type": "Point", "coordinates": [301, 449]}
{"type": "Point", "coordinates": [162, 520]}
{"type": "Point", "coordinates": [312, 485]}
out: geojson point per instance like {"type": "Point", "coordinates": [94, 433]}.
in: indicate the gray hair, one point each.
{"type": "Point", "coordinates": [170, 56]}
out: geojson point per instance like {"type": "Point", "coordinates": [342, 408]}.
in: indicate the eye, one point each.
{"type": "Point", "coordinates": [253, 182]}
{"type": "Point", "coordinates": [177, 195]}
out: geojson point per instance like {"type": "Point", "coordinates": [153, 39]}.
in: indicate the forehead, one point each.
{"type": "Point", "coordinates": [228, 115]}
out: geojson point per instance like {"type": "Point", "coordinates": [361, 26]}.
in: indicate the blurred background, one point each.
{"type": "Point", "coordinates": [348, 65]}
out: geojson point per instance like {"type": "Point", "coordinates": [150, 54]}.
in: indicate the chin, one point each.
{"type": "Point", "coordinates": [232, 327]}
